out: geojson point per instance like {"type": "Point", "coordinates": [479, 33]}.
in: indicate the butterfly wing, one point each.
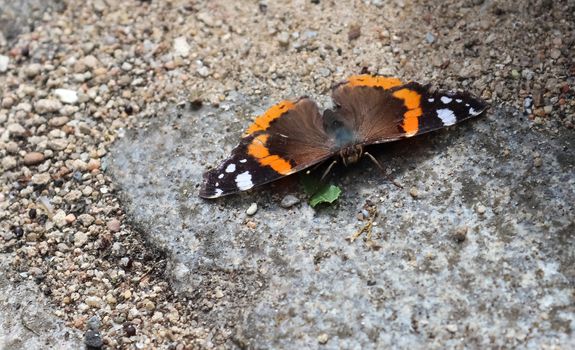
{"type": "Point", "coordinates": [287, 138]}
{"type": "Point", "coordinates": [382, 109]}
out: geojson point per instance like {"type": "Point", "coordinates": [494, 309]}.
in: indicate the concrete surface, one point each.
{"type": "Point", "coordinates": [476, 251]}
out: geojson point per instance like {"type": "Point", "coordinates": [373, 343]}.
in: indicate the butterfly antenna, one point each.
{"type": "Point", "coordinates": [327, 170]}
{"type": "Point", "coordinates": [376, 162]}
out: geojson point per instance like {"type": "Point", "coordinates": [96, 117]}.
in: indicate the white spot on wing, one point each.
{"type": "Point", "coordinates": [431, 99]}
{"type": "Point", "coordinates": [458, 100]}
{"type": "Point", "coordinates": [473, 112]}
{"type": "Point", "coordinates": [447, 117]}
{"type": "Point", "coordinates": [218, 192]}
{"type": "Point", "coordinates": [445, 99]}
{"type": "Point", "coordinates": [231, 168]}
{"type": "Point", "coordinates": [221, 176]}
{"type": "Point", "coordinates": [244, 181]}
{"type": "Point", "coordinates": [243, 160]}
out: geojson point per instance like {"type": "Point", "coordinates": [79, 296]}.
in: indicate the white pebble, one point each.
{"type": "Point", "coordinates": [252, 209]}
{"type": "Point", "coordinates": [4, 60]}
{"type": "Point", "coordinates": [67, 96]}
{"type": "Point", "coordinates": [181, 46]}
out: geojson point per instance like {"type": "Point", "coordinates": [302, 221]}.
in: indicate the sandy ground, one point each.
{"type": "Point", "coordinates": [88, 222]}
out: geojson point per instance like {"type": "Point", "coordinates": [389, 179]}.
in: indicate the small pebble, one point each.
{"type": "Point", "coordinates": [555, 54]}
{"type": "Point", "coordinates": [94, 323]}
{"type": "Point", "coordinates": [354, 32]}
{"type": "Point", "coordinates": [7, 102]}
{"type": "Point", "coordinates": [181, 46]}
{"type": "Point", "coordinates": [481, 209]}
{"type": "Point", "coordinates": [322, 338]}
{"type": "Point", "coordinates": [70, 218]}
{"type": "Point", "coordinates": [93, 339]}
{"type": "Point", "coordinates": [66, 96]}
{"type": "Point", "coordinates": [32, 70]}
{"type": "Point", "coordinates": [57, 144]}
{"type": "Point", "coordinates": [4, 60]}
{"type": "Point", "coordinates": [538, 162]}
{"type": "Point", "coordinates": [203, 71]}
{"type": "Point", "coordinates": [80, 238]}
{"type": "Point", "coordinates": [289, 201]}
{"type": "Point", "coordinates": [86, 219]}
{"type": "Point", "coordinates": [9, 162]}
{"type": "Point", "coordinates": [58, 121]}
{"type": "Point", "coordinates": [45, 106]}
{"type": "Point", "coordinates": [113, 225]}
{"type": "Point", "coordinates": [41, 179]}
{"type": "Point", "coordinates": [253, 208]}
{"type": "Point", "coordinates": [16, 129]}
{"type": "Point", "coordinates": [460, 234]}
{"type": "Point", "coordinates": [129, 329]}
{"type": "Point", "coordinates": [430, 38]}
{"type": "Point", "coordinates": [283, 38]}
{"type": "Point", "coordinates": [93, 301]}
{"type": "Point", "coordinates": [414, 192]}
{"type": "Point", "coordinates": [93, 164]}
{"type": "Point", "coordinates": [59, 218]}
{"type": "Point", "coordinates": [452, 328]}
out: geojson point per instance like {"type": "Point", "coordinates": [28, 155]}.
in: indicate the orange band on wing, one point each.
{"type": "Point", "coordinates": [263, 121]}
{"type": "Point", "coordinates": [257, 149]}
{"type": "Point", "coordinates": [411, 100]}
{"type": "Point", "coordinates": [373, 81]}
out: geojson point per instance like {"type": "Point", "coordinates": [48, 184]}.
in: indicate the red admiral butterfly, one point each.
{"type": "Point", "coordinates": [292, 136]}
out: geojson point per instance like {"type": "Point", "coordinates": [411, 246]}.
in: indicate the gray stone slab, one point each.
{"type": "Point", "coordinates": [27, 320]}
{"type": "Point", "coordinates": [481, 256]}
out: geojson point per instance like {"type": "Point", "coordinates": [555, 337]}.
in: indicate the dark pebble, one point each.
{"type": "Point", "coordinates": [129, 329]}
{"type": "Point", "coordinates": [129, 109]}
{"type": "Point", "coordinates": [18, 231]}
{"type": "Point", "coordinates": [93, 339]}
{"type": "Point", "coordinates": [354, 32]}
{"type": "Point", "coordinates": [196, 105]}
{"type": "Point", "coordinates": [32, 213]}
{"type": "Point", "coordinates": [42, 219]}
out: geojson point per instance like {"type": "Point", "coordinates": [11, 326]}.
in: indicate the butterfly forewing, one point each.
{"type": "Point", "coordinates": [287, 138]}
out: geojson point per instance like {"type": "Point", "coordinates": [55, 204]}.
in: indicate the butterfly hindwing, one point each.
{"type": "Point", "coordinates": [381, 109]}
{"type": "Point", "coordinates": [287, 138]}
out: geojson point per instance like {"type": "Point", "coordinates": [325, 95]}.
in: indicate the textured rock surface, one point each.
{"type": "Point", "coordinates": [26, 319]}
{"type": "Point", "coordinates": [480, 257]}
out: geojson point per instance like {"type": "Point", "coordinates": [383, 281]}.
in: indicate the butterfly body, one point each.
{"type": "Point", "coordinates": [292, 136]}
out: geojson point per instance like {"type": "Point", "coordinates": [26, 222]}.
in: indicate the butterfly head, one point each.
{"type": "Point", "coordinates": [351, 154]}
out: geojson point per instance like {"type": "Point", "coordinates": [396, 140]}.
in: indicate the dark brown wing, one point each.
{"type": "Point", "coordinates": [381, 113]}
{"type": "Point", "coordinates": [287, 138]}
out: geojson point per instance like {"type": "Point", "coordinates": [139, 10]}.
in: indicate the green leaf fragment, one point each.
{"type": "Point", "coordinates": [325, 194]}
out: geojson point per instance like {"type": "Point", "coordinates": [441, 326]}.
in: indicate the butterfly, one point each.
{"type": "Point", "coordinates": [368, 109]}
